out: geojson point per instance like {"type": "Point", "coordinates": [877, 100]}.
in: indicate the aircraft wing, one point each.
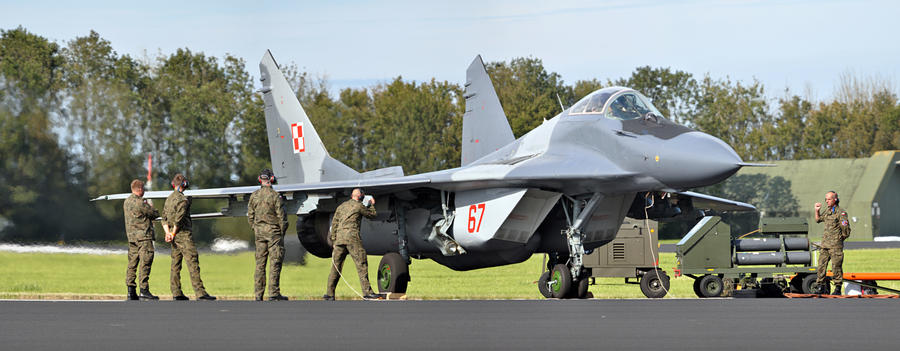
{"type": "Point", "coordinates": [594, 173]}
{"type": "Point", "coordinates": [710, 202]}
{"type": "Point", "coordinates": [200, 193]}
{"type": "Point", "coordinates": [380, 185]}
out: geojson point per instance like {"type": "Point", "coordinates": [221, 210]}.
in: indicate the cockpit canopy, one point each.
{"type": "Point", "coordinates": [615, 102]}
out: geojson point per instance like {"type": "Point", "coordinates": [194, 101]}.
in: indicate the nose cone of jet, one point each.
{"type": "Point", "coordinates": [698, 159]}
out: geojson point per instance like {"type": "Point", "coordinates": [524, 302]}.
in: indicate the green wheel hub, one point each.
{"type": "Point", "coordinates": [555, 278]}
{"type": "Point", "coordinates": [384, 277]}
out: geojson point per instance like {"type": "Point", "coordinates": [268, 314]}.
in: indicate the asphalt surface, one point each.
{"type": "Point", "coordinates": [667, 324]}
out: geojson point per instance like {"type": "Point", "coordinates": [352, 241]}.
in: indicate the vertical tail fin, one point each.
{"type": "Point", "coordinates": [485, 127]}
{"type": "Point", "coordinates": [298, 155]}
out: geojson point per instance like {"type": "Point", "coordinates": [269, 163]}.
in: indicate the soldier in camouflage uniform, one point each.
{"type": "Point", "coordinates": [837, 229]}
{"type": "Point", "coordinates": [265, 212]}
{"type": "Point", "coordinates": [345, 236]}
{"type": "Point", "coordinates": [177, 223]}
{"type": "Point", "coordinates": [139, 216]}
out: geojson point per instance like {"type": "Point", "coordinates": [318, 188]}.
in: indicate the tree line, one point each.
{"type": "Point", "coordinates": [78, 119]}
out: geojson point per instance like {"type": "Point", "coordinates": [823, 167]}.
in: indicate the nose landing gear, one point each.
{"type": "Point", "coordinates": [568, 279]}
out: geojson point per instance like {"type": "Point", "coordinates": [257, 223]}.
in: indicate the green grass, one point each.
{"type": "Point", "coordinates": [231, 276]}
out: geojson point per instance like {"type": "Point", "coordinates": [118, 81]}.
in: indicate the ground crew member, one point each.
{"type": "Point", "coordinates": [177, 224]}
{"type": "Point", "coordinates": [139, 216]}
{"type": "Point", "coordinates": [265, 212]}
{"type": "Point", "coordinates": [345, 236]}
{"type": "Point", "coordinates": [837, 229]}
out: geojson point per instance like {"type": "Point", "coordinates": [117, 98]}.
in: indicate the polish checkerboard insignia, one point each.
{"type": "Point", "coordinates": [297, 135]}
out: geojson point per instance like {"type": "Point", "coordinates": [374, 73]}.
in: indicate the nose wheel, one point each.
{"type": "Point", "coordinates": [558, 283]}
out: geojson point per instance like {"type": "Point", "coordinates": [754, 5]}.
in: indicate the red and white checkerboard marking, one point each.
{"type": "Point", "coordinates": [297, 134]}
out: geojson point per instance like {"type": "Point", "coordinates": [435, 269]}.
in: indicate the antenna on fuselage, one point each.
{"type": "Point", "coordinates": [560, 103]}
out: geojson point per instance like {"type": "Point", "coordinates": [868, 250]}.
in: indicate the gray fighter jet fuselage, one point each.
{"type": "Point", "coordinates": [563, 188]}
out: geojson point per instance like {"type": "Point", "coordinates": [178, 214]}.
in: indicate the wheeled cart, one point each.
{"type": "Point", "coordinates": [777, 261]}
{"type": "Point", "coordinates": [633, 255]}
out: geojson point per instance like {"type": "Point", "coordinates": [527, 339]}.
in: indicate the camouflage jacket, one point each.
{"type": "Point", "coordinates": [265, 212]}
{"type": "Point", "coordinates": [177, 211]}
{"type": "Point", "coordinates": [345, 223]}
{"type": "Point", "coordinates": [139, 216]}
{"type": "Point", "coordinates": [837, 227]}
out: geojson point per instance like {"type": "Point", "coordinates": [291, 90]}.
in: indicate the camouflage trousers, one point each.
{"type": "Point", "coordinates": [836, 256]}
{"type": "Point", "coordinates": [183, 247]}
{"type": "Point", "coordinates": [139, 252]}
{"type": "Point", "coordinates": [358, 254]}
{"type": "Point", "coordinates": [269, 246]}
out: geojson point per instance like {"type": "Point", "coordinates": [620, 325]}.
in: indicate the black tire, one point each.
{"type": "Point", "coordinates": [560, 281]}
{"type": "Point", "coordinates": [697, 288]}
{"type": "Point", "coordinates": [580, 288]}
{"type": "Point", "coordinates": [393, 273]}
{"type": "Point", "coordinates": [711, 285]}
{"type": "Point", "coordinates": [542, 285]}
{"type": "Point", "coordinates": [654, 286]}
{"type": "Point", "coordinates": [797, 284]}
{"type": "Point", "coordinates": [810, 287]}
{"type": "Point", "coordinates": [771, 287]}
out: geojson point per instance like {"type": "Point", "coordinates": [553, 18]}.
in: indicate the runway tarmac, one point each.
{"type": "Point", "coordinates": [667, 324]}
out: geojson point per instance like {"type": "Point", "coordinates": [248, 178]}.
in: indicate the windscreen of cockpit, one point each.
{"type": "Point", "coordinates": [631, 105]}
{"type": "Point", "coordinates": [594, 102]}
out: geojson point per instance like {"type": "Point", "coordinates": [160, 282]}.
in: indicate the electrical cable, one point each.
{"type": "Point", "coordinates": [344, 280]}
{"type": "Point", "coordinates": [650, 243]}
{"type": "Point", "coordinates": [742, 236]}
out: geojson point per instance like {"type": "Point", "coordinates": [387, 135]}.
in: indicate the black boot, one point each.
{"type": "Point", "coordinates": [374, 296]}
{"type": "Point", "coordinates": [146, 295]}
{"type": "Point", "coordinates": [132, 294]}
{"type": "Point", "coordinates": [278, 297]}
{"type": "Point", "coordinates": [207, 297]}
{"type": "Point", "coordinates": [180, 298]}
{"type": "Point", "coordinates": [837, 290]}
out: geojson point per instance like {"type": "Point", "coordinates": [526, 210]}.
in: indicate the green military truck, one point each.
{"type": "Point", "coordinates": [776, 260]}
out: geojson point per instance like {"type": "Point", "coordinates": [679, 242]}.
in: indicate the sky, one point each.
{"type": "Point", "coordinates": [804, 46]}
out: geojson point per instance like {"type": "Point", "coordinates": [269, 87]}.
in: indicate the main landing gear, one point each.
{"type": "Point", "coordinates": [393, 274]}
{"type": "Point", "coordinates": [567, 277]}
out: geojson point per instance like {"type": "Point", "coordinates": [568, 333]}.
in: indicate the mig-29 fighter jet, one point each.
{"type": "Point", "coordinates": [563, 188]}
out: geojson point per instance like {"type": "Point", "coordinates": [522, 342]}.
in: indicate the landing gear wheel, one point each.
{"type": "Point", "coordinates": [542, 285]}
{"type": "Point", "coordinates": [810, 287]}
{"type": "Point", "coordinates": [393, 274]}
{"type": "Point", "coordinates": [654, 286]}
{"type": "Point", "coordinates": [561, 281]}
{"type": "Point", "coordinates": [580, 288]}
{"type": "Point", "coordinates": [697, 288]}
{"type": "Point", "coordinates": [711, 285]}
